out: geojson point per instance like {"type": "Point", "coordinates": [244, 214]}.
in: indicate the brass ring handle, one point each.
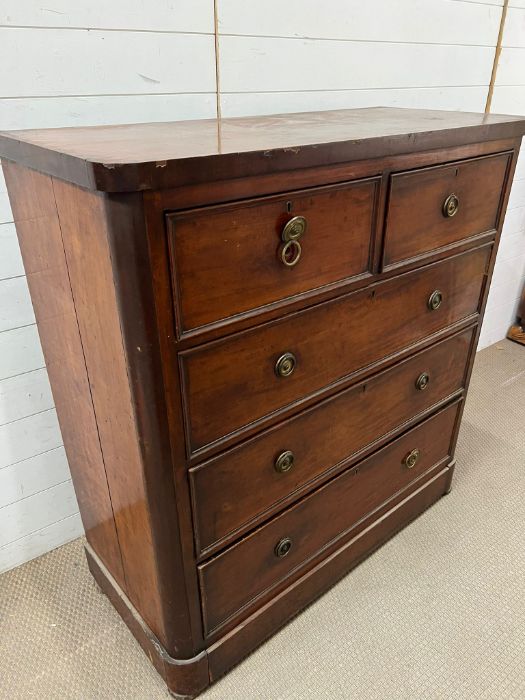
{"type": "Point", "coordinates": [284, 462]}
{"type": "Point", "coordinates": [283, 547]}
{"type": "Point", "coordinates": [435, 300]}
{"type": "Point", "coordinates": [412, 458]}
{"type": "Point", "coordinates": [285, 365]}
{"type": "Point", "coordinates": [290, 249]}
{"type": "Point", "coordinates": [290, 253]}
{"type": "Point", "coordinates": [450, 206]}
{"type": "Point", "coordinates": [422, 381]}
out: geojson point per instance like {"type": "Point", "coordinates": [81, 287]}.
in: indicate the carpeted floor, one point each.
{"type": "Point", "coordinates": [438, 612]}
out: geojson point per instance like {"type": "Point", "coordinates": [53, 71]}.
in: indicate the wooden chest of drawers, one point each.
{"type": "Point", "coordinates": [259, 335]}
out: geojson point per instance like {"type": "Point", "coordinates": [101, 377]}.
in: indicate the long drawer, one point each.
{"type": "Point", "coordinates": [231, 383]}
{"type": "Point", "coordinates": [233, 258]}
{"type": "Point", "coordinates": [257, 563]}
{"type": "Point", "coordinates": [231, 490]}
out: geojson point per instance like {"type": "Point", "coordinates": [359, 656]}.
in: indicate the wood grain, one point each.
{"type": "Point", "coordinates": [144, 400]}
{"type": "Point", "coordinates": [324, 439]}
{"type": "Point", "coordinates": [232, 383]}
{"type": "Point", "coordinates": [153, 156]}
{"type": "Point", "coordinates": [233, 580]}
{"type": "Point", "coordinates": [225, 259]}
{"type": "Point", "coordinates": [420, 196]}
{"type": "Point", "coordinates": [40, 237]}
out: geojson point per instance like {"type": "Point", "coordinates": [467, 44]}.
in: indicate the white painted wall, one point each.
{"type": "Point", "coordinates": [509, 98]}
{"type": "Point", "coordinates": [67, 63]}
{"type": "Point", "coordinates": [98, 62]}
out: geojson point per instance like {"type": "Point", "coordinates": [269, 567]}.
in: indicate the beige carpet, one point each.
{"type": "Point", "coordinates": [438, 612]}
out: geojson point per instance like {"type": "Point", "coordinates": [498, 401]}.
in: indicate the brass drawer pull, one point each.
{"type": "Point", "coordinates": [290, 253]}
{"type": "Point", "coordinates": [422, 381]}
{"type": "Point", "coordinates": [450, 206]}
{"type": "Point", "coordinates": [290, 249]}
{"type": "Point", "coordinates": [435, 300]}
{"type": "Point", "coordinates": [411, 459]}
{"type": "Point", "coordinates": [284, 462]}
{"type": "Point", "coordinates": [285, 365]}
{"type": "Point", "coordinates": [283, 547]}
{"type": "Point", "coordinates": [294, 229]}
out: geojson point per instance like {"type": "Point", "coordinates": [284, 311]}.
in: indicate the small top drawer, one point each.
{"type": "Point", "coordinates": [231, 259]}
{"type": "Point", "coordinates": [441, 206]}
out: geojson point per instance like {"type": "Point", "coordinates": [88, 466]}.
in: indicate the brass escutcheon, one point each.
{"type": "Point", "coordinates": [294, 229]}
{"type": "Point", "coordinates": [285, 365]}
{"type": "Point", "coordinates": [434, 300]}
{"type": "Point", "coordinates": [422, 381]}
{"type": "Point", "coordinates": [283, 547]}
{"type": "Point", "coordinates": [284, 462]}
{"type": "Point", "coordinates": [412, 458]}
{"type": "Point", "coordinates": [450, 206]}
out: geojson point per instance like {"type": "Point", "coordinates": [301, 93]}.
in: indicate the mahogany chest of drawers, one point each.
{"type": "Point", "coordinates": [259, 334]}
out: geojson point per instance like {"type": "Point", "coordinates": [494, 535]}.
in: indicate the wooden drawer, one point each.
{"type": "Point", "coordinates": [417, 220]}
{"type": "Point", "coordinates": [231, 383]}
{"type": "Point", "coordinates": [232, 580]}
{"type": "Point", "coordinates": [225, 259]}
{"type": "Point", "coordinates": [320, 439]}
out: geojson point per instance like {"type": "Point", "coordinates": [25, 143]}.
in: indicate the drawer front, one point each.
{"type": "Point", "coordinates": [229, 384]}
{"type": "Point", "coordinates": [230, 581]}
{"type": "Point", "coordinates": [229, 491]}
{"type": "Point", "coordinates": [423, 215]}
{"type": "Point", "coordinates": [226, 260]}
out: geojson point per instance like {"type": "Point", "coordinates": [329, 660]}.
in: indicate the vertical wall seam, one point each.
{"type": "Point", "coordinates": [496, 56]}
{"type": "Point", "coordinates": [217, 63]}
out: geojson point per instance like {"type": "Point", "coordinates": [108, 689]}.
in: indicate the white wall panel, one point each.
{"type": "Point", "coordinates": [512, 246]}
{"type": "Point", "coordinates": [470, 99]}
{"type": "Point", "coordinates": [144, 15]}
{"type": "Point", "coordinates": [508, 99]}
{"type": "Point", "coordinates": [28, 437]}
{"type": "Point", "coordinates": [11, 264]}
{"type": "Point", "coordinates": [24, 395]}
{"type": "Point", "coordinates": [259, 64]}
{"type": "Point", "coordinates": [20, 351]}
{"type": "Point", "coordinates": [411, 21]}
{"type": "Point", "coordinates": [104, 63]}
{"type": "Point", "coordinates": [15, 304]}
{"type": "Point", "coordinates": [498, 323]}
{"type": "Point", "coordinates": [64, 64]}
{"type": "Point", "coordinates": [517, 194]}
{"type": "Point", "coordinates": [485, 2]}
{"type": "Point", "coordinates": [511, 67]}
{"type": "Point", "coordinates": [5, 209]}
{"type": "Point", "coordinates": [514, 30]}
{"type": "Point", "coordinates": [33, 475]}
{"type": "Point", "coordinates": [37, 511]}
{"type": "Point", "coordinates": [36, 543]}
{"type": "Point", "coordinates": [51, 112]}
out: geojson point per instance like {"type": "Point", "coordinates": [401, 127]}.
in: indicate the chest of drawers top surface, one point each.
{"type": "Point", "coordinates": [259, 334]}
{"type": "Point", "coordinates": [157, 155]}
